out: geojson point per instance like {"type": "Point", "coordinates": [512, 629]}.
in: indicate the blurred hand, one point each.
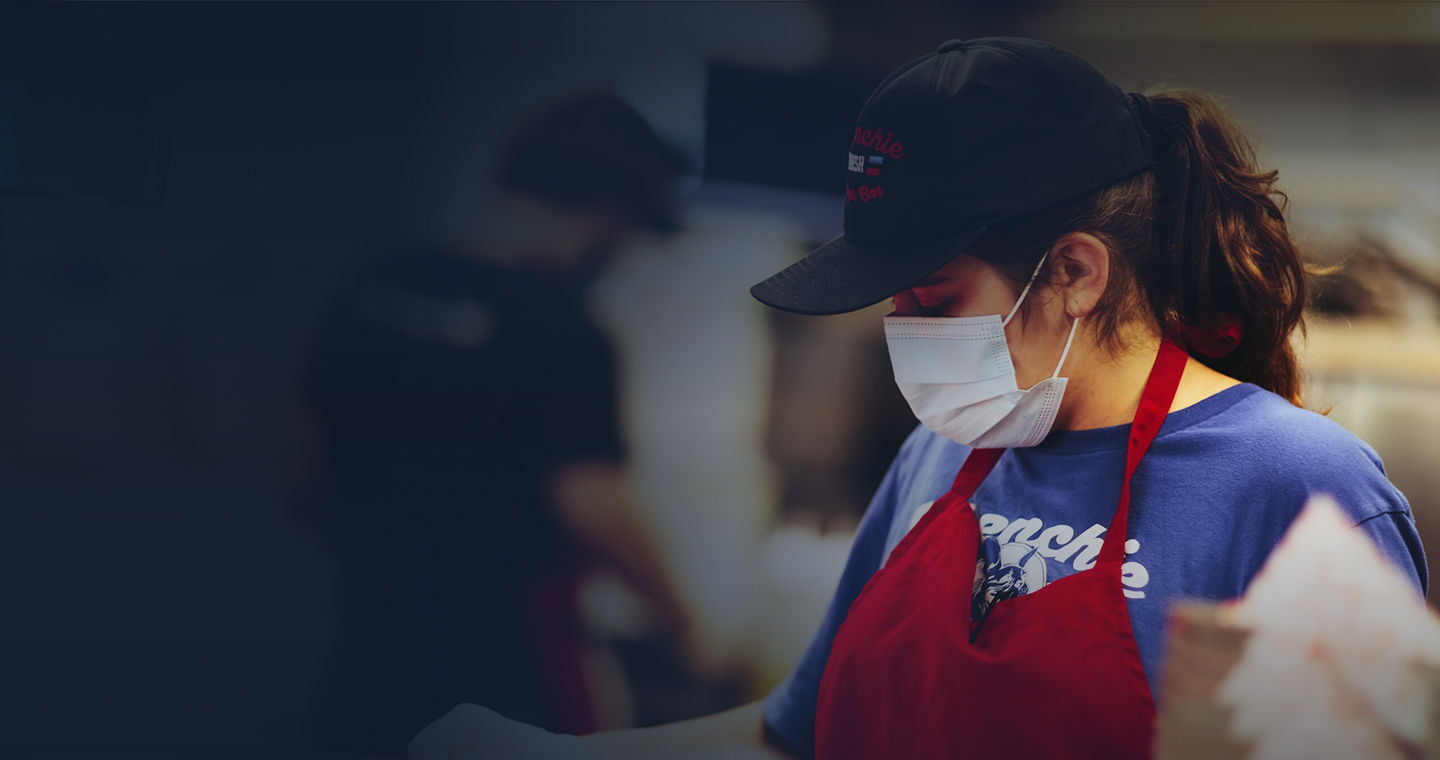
{"type": "Point", "coordinates": [593, 500]}
{"type": "Point", "coordinates": [470, 732]}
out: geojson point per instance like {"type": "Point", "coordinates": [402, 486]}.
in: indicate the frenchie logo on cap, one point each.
{"type": "Point", "coordinates": [882, 145]}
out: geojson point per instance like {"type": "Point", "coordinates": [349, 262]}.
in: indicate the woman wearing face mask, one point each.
{"type": "Point", "coordinates": [1094, 294]}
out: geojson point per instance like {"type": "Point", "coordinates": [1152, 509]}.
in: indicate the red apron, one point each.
{"type": "Point", "coordinates": [1051, 674]}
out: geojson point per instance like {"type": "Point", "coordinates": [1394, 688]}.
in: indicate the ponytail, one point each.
{"type": "Point", "coordinates": [1198, 241]}
{"type": "Point", "coordinates": [1222, 242]}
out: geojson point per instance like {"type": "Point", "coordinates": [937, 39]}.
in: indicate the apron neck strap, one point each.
{"type": "Point", "coordinates": [1155, 403]}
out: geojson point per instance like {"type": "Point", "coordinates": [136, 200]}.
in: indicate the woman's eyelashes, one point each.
{"type": "Point", "coordinates": [938, 300]}
{"type": "Point", "coordinates": [945, 308]}
{"type": "Point", "coordinates": [927, 301]}
{"type": "Point", "coordinates": [907, 304]}
{"type": "Point", "coordinates": [932, 295]}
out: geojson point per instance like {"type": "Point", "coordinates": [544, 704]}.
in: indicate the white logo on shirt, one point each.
{"type": "Point", "coordinates": [460, 322]}
{"type": "Point", "coordinates": [1059, 543]}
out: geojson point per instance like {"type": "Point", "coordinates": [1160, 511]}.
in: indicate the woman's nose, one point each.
{"type": "Point", "coordinates": [906, 304]}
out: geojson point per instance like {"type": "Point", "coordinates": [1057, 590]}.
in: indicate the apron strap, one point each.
{"type": "Point", "coordinates": [977, 465]}
{"type": "Point", "coordinates": [1155, 403]}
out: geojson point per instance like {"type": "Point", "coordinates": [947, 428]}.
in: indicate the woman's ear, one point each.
{"type": "Point", "coordinates": [1082, 264]}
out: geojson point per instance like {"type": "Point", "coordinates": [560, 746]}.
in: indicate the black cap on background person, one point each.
{"type": "Point", "coordinates": [596, 150]}
{"type": "Point", "coordinates": [577, 179]}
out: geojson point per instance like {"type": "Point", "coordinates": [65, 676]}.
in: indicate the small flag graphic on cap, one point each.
{"type": "Point", "coordinates": [874, 167]}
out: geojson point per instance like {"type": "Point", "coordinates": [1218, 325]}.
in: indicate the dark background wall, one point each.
{"type": "Point", "coordinates": [153, 308]}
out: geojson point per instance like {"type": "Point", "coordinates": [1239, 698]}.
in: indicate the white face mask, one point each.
{"type": "Point", "coordinates": [959, 379]}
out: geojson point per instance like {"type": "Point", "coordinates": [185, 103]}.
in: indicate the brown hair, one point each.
{"type": "Point", "coordinates": [1202, 233]}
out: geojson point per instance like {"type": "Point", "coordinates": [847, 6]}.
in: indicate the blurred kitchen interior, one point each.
{"type": "Point", "coordinates": [162, 596]}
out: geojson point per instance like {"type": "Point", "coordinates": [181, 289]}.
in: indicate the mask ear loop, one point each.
{"type": "Point", "coordinates": [1021, 299]}
{"type": "Point", "coordinates": [1074, 324]}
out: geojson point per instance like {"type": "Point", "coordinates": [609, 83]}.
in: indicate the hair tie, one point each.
{"type": "Point", "coordinates": [1213, 340]}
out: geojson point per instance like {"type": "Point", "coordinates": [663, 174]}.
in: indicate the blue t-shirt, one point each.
{"type": "Point", "coordinates": [1219, 486]}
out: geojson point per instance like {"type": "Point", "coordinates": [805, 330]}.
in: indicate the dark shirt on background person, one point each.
{"type": "Point", "coordinates": [446, 391]}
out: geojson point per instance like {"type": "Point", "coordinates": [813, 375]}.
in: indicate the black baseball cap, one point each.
{"type": "Point", "coordinates": [596, 149]}
{"type": "Point", "coordinates": [978, 132]}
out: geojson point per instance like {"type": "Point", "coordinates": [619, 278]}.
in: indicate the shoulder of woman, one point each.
{"type": "Point", "coordinates": [924, 446]}
{"type": "Point", "coordinates": [1296, 435]}
{"type": "Point", "coordinates": [1289, 454]}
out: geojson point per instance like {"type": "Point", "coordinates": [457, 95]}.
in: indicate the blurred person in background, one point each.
{"type": "Point", "coordinates": [470, 458]}
{"type": "Point", "coordinates": [1006, 593]}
